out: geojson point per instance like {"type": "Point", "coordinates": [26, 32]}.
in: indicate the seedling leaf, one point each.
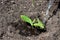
{"type": "Point", "coordinates": [26, 19]}
{"type": "Point", "coordinates": [39, 24]}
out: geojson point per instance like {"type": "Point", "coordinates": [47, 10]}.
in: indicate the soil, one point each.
{"type": "Point", "coordinates": [13, 28]}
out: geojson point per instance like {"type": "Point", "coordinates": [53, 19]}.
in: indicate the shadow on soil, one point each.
{"type": "Point", "coordinates": [25, 29]}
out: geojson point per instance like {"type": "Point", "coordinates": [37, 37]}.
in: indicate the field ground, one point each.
{"type": "Point", "coordinates": [10, 23]}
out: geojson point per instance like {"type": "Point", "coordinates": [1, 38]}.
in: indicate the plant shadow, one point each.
{"type": "Point", "coordinates": [25, 29]}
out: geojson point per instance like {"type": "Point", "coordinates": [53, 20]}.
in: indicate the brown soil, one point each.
{"type": "Point", "coordinates": [13, 28]}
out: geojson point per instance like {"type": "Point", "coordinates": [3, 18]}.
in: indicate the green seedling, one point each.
{"type": "Point", "coordinates": [35, 22]}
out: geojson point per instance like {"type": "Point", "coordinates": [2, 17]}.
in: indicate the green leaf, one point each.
{"type": "Point", "coordinates": [26, 19]}
{"type": "Point", "coordinates": [39, 24]}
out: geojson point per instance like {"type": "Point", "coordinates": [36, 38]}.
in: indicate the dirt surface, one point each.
{"type": "Point", "coordinates": [10, 11]}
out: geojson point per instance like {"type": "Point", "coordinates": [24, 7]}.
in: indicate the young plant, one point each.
{"type": "Point", "coordinates": [35, 22]}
